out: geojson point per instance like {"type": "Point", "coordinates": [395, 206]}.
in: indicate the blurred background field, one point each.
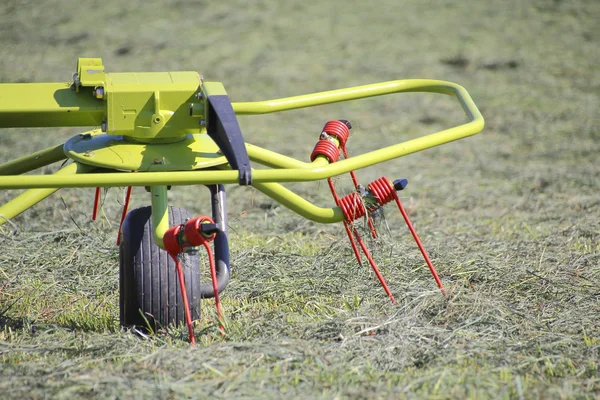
{"type": "Point", "coordinates": [511, 217]}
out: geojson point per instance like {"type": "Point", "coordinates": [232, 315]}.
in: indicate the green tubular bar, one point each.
{"type": "Point", "coordinates": [272, 159]}
{"type": "Point", "coordinates": [294, 202]}
{"type": "Point", "coordinates": [360, 92]}
{"type": "Point", "coordinates": [33, 161]}
{"type": "Point", "coordinates": [160, 213]}
{"type": "Point", "coordinates": [46, 105]}
{"type": "Point", "coordinates": [33, 196]}
{"type": "Point", "coordinates": [299, 205]}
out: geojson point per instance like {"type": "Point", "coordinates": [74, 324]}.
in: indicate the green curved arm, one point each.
{"type": "Point", "coordinates": [361, 92]}
{"type": "Point", "coordinates": [296, 173]}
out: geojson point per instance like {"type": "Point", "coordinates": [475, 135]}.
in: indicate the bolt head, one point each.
{"type": "Point", "coordinates": [99, 92]}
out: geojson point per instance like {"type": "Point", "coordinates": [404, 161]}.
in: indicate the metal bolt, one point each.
{"type": "Point", "coordinates": [361, 190]}
{"type": "Point", "coordinates": [324, 135]}
{"type": "Point", "coordinates": [99, 92]}
{"type": "Point", "coordinates": [76, 81]}
{"type": "Point", "coordinates": [202, 122]}
{"type": "Point", "coordinates": [199, 95]}
{"type": "Point", "coordinates": [103, 126]}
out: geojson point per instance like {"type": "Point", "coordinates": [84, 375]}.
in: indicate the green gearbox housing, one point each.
{"type": "Point", "coordinates": [154, 121]}
{"type": "Point", "coordinates": [145, 105]}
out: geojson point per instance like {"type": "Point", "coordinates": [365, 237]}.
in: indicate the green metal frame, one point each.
{"type": "Point", "coordinates": [157, 103]}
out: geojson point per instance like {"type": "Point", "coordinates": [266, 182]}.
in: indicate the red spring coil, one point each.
{"type": "Point", "coordinates": [338, 129]}
{"type": "Point", "coordinates": [327, 149]}
{"type": "Point", "coordinates": [352, 207]}
{"type": "Point", "coordinates": [383, 190]}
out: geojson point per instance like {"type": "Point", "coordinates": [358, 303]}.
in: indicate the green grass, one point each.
{"type": "Point", "coordinates": [510, 217]}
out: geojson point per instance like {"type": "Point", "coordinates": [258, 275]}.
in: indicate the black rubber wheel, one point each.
{"type": "Point", "coordinates": [150, 294]}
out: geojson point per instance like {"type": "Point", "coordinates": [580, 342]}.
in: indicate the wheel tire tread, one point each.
{"type": "Point", "coordinates": [148, 277]}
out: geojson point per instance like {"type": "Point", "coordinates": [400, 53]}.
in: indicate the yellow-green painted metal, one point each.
{"type": "Point", "coordinates": [259, 176]}
{"type": "Point", "coordinates": [150, 106]}
{"type": "Point", "coordinates": [272, 159]}
{"type": "Point", "coordinates": [295, 174]}
{"type": "Point", "coordinates": [90, 73]}
{"type": "Point", "coordinates": [146, 106]}
{"type": "Point", "coordinates": [213, 89]}
{"type": "Point", "coordinates": [116, 152]}
{"type": "Point", "coordinates": [361, 92]}
{"type": "Point", "coordinates": [296, 203]}
{"type": "Point", "coordinates": [33, 196]}
{"type": "Point", "coordinates": [48, 105]}
{"type": "Point", "coordinates": [299, 205]}
{"type": "Point", "coordinates": [33, 161]}
{"type": "Point", "coordinates": [152, 121]}
{"type": "Point", "coordinates": [275, 160]}
{"type": "Point", "coordinates": [160, 213]}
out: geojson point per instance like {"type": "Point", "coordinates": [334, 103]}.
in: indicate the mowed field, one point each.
{"type": "Point", "coordinates": [510, 217]}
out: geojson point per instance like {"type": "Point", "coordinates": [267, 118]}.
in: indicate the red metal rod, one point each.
{"type": "Point", "coordinates": [333, 192]}
{"type": "Point", "coordinates": [352, 205]}
{"type": "Point", "coordinates": [346, 223]}
{"type": "Point", "coordinates": [374, 266]}
{"type": "Point", "coordinates": [352, 242]}
{"type": "Point", "coordinates": [372, 227]}
{"type": "Point", "coordinates": [186, 304]}
{"type": "Point", "coordinates": [355, 181]}
{"type": "Point", "coordinates": [96, 202]}
{"type": "Point", "coordinates": [213, 275]}
{"type": "Point", "coordinates": [369, 219]}
{"type": "Point", "coordinates": [414, 234]}
{"type": "Point", "coordinates": [124, 214]}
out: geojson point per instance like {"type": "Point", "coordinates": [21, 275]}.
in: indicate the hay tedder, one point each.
{"type": "Point", "coordinates": [159, 130]}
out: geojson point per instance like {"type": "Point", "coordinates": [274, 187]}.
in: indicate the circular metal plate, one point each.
{"type": "Point", "coordinates": [107, 151]}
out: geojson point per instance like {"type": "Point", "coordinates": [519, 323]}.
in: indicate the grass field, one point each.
{"type": "Point", "coordinates": [511, 217]}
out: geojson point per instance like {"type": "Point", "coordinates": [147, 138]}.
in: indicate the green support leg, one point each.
{"type": "Point", "coordinates": [160, 213]}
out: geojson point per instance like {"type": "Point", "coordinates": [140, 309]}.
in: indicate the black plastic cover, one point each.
{"type": "Point", "coordinates": [224, 129]}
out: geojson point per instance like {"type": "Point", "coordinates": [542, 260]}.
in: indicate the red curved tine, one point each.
{"type": "Point", "coordinates": [351, 205]}
{"type": "Point", "coordinates": [96, 202]}
{"type": "Point", "coordinates": [173, 248]}
{"type": "Point", "coordinates": [124, 214]}
{"type": "Point", "coordinates": [384, 192]}
{"type": "Point", "coordinates": [192, 231]}
{"type": "Point", "coordinates": [419, 244]}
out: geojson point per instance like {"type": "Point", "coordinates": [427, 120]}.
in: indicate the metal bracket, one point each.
{"type": "Point", "coordinates": [223, 128]}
